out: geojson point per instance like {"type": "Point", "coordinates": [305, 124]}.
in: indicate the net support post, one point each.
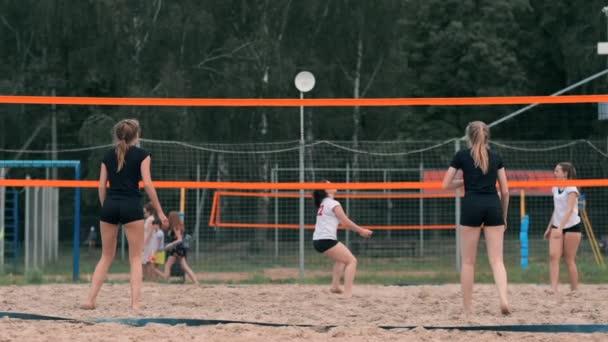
{"type": "Point", "coordinates": [274, 175]}
{"type": "Point", "coordinates": [301, 219]}
{"type": "Point", "coordinates": [28, 226]}
{"type": "Point", "coordinates": [523, 240]}
{"type": "Point", "coordinates": [197, 223]}
{"type": "Point", "coordinates": [76, 261]}
{"type": "Point", "coordinates": [2, 208]}
{"type": "Point", "coordinates": [347, 232]}
{"type": "Point", "coordinates": [421, 212]}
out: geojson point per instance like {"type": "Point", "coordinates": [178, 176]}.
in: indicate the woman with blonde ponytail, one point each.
{"type": "Point", "coordinates": [482, 207]}
{"type": "Point", "coordinates": [123, 166]}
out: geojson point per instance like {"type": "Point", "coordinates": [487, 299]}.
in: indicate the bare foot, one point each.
{"type": "Point", "coordinates": [135, 308]}
{"type": "Point", "coordinates": [346, 296]}
{"type": "Point", "coordinates": [553, 292]}
{"type": "Point", "coordinates": [573, 294]}
{"type": "Point", "coordinates": [504, 310]}
{"type": "Point", "coordinates": [336, 290]}
{"type": "Point", "coordinates": [87, 306]}
{"type": "Point", "coordinates": [467, 311]}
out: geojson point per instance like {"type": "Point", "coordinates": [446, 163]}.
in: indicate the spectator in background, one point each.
{"type": "Point", "coordinates": [175, 248]}
{"type": "Point", "coordinates": [92, 238]}
{"type": "Point", "coordinates": [151, 247]}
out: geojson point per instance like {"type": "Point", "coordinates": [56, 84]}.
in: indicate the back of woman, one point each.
{"type": "Point", "coordinates": [124, 182]}
{"type": "Point", "coordinates": [475, 180]}
{"type": "Point", "coordinates": [481, 208]}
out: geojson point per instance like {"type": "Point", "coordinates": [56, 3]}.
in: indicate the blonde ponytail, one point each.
{"type": "Point", "coordinates": [121, 152]}
{"type": "Point", "coordinates": [478, 135]}
{"type": "Point", "coordinates": [125, 132]}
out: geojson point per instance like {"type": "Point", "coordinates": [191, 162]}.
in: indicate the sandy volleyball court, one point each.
{"type": "Point", "coordinates": [356, 319]}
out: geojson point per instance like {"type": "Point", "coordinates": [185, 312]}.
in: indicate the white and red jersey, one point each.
{"type": "Point", "coordinates": [326, 227]}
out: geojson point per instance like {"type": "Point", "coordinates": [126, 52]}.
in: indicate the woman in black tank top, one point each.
{"type": "Point", "coordinates": [481, 208]}
{"type": "Point", "coordinates": [124, 166]}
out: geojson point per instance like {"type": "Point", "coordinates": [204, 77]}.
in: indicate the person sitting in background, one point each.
{"type": "Point", "coordinates": [92, 238]}
{"type": "Point", "coordinates": [151, 247]}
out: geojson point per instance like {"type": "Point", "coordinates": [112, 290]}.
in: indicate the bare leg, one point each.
{"type": "Point", "coordinates": [469, 239]}
{"type": "Point", "coordinates": [341, 254]}
{"type": "Point", "coordinates": [571, 243]}
{"type": "Point", "coordinates": [556, 244]}
{"type": "Point", "coordinates": [168, 264]}
{"type": "Point", "coordinates": [157, 272]}
{"type": "Point", "coordinates": [188, 270]}
{"type": "Point", "coordinates": [335, 277]}
{"type": "Point", "coordinates": [135, 236]}
{"type": "Point", "coordinates": [494, 242]}
{"type": "Point", "coordinates": [109, 233]}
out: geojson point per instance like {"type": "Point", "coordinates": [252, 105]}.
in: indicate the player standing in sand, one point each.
{"type": "Point", "coordinates": [481, 207]}
{"type": "Point", "coordinates": [124, 166]}
{"type": "Point", "coordinates": [325, 239]}
{"type": "Point", "coordinates": [564, 230]}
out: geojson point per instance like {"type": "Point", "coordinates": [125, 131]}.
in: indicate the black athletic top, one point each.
{"type": "Point", "coordinates": [475, 182]}
{"type": "Point", "coordinates": [125, 184]}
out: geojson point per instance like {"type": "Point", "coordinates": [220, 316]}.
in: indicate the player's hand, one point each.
{"type": "Point", "coordinates": [547, 234]}
{"type": "Point", "coordinates": [557, 233]}
{"type": "Point", "coordinates": [163, 220]}
{"type": "Point", "coordinates": [366, 233]}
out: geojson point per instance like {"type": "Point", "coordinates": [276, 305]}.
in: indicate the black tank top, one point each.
{"type": "Point", "coordinates": [125, 183]}
{"type": "Point", "coordinates": [475, 182]}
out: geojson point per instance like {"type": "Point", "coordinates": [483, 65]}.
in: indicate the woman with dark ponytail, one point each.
{"type": "Point", "coordinates": [481, 208]}
{"type": "Point", "coordinates": [564, 230]}
{"type": "Point", "coordinates": [325, 239]}
{"type": "Point", "coordinates": [123, 166]}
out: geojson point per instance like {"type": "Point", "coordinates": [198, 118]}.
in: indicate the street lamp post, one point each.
{"type": "Point", "coordinates": [304, 82]}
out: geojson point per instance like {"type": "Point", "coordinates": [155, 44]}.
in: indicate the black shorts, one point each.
{"type": "Point", "coordinates": [178, 251]}
{"type": "Point", "coordinates": [322, 246]}
{"type": "Point", "coordinates": [574, 229]}
{"type": "Point", "coordinates": [481, 209]}
{"type": "Point", "coordinates": [115, 211]}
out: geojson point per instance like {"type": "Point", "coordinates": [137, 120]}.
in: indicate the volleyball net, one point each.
{"type": "Point", "coordinates": [241, 201]}
{"type": "Point", "coordinates": [242, 209]}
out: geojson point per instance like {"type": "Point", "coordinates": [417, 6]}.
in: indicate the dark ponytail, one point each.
{"type": "Point", "coordinates": [318, 196]}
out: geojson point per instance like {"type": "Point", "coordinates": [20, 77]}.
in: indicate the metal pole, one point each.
{"type": "Point", "coordinates": [54, 136]}
{"type": "Point", "coordinates": [457, 217]}
{"type": "Point", "coordinates": [35, 226]}
{"type": "Point", "coordinates": [388, 220]}
{"type": "Point", "coordinates": [197, 225]}
{"type": "Point", "coordinates": [28, 225]}
{"type": "Point", "coordinates": [301, 190]}
{"type": "Point", "coordinates": [76, 257]}
{"type": "Point", "coordinates": [2, 208]}
{"type": "Point", "coordinates": [43, 226]}
{"type": "Point", "coordinates": [275, 176]}
{"type": "Point", "coordinates": [421, 213]}
{"type": "Point", "coordinates": [56, 223]}
{"type": "Point", "coordinates": [44, 220]}
{"type": "Point", "coordinates": [347, 233]}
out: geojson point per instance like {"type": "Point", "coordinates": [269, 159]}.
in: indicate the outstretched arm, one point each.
{"type": "Point", "coordinates": [348, 223]}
